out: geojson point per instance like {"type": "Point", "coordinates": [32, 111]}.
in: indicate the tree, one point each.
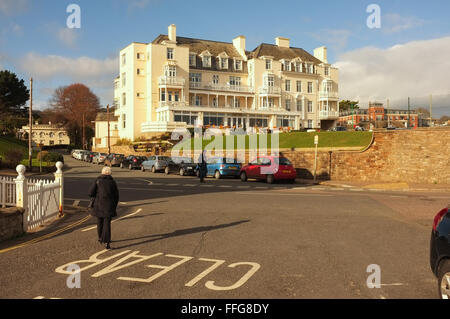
{"type": "Point", "coordinates": [346, 105]}
{"type": "Point", "coordinates": [13, 93]}
{"type": "Point", "coordinates": [75, 107]}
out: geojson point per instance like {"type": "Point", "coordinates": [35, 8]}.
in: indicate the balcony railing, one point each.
{"type": "Point", "coordinates": [217, 87]}
{"type": "Point", "coordinates": [328, 114]}
{"type": "Point", "coordinates": [269, 90]}
{"type": "Point", "coordinates": [169, 80]}
{"type": "Point", "coordinates": [172, 103]}
{"type": "Point", "coordinates": [323, 95]}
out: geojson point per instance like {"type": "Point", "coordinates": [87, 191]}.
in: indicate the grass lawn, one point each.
{"type": "Point", "coordinates": [10, 143]}
{"type": "Point", "coordinates": [296, 140]}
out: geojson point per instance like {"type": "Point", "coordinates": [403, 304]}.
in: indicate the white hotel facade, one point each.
{"type": "Point", "coordinates": [176, 82]}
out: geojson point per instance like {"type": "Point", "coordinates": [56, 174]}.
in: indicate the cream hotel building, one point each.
{"type": "Point", "coordinates": [177, 82]}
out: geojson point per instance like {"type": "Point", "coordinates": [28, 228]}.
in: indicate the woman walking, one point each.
{"type": "Point", "coordinates": [106, 197]}
{"type": "Point", "coordinates": [202, 167]}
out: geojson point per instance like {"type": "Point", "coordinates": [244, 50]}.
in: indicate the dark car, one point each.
{"type": "Point", "coordinates": [132, 162]}
{"type": "Point", "coordinates": [181, 165]}
{"type": "Point", "coordinates": [339, 129]}
{"type": "Point", "coordinates": [114, 159]}
{"type": "Point", "coordinates": [440, 252]}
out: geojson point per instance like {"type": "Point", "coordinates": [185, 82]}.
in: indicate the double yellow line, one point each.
{"type": "Point", "coordinates": [50, 235]}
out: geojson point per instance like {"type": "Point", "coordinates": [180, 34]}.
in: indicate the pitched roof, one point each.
{"type": "Point", "coordinates": [279, 53]}
{"type": "Point", "coordinates": [198, 45]}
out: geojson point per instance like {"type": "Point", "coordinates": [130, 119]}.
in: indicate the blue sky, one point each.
{"type": "Point", "coordinates": [34, 38]}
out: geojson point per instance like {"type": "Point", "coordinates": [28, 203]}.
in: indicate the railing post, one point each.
{"type": "Point", "coordinates": [3, 195]}
{"type": "Point", "coordinates": [22, 194]}
{"type": "Point", "coordinates": [60, 179]}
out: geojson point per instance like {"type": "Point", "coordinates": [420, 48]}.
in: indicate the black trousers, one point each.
{"type": "Point", "coordinates": [104, 229]}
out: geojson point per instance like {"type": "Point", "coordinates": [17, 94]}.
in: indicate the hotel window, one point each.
{"type": "Point", "coordinates": [238, 65]}
{"type": "Point", "coordinates": [140, 95]}
{"type": "Point", "coordinates": [124, 120]}
{"type": "Point", "coordinates": [287, 65]}
{"type": "Point", "coordinates": [288, 105]}
{"type": "Point", "coordinates": [197, 100]}
{"type": "Point", "coordinates": [206, 61]}
{"type": "Point", "coordinates": [288, 85]}
{"type": "Point", "coordinates": [235, 81]}
{"type": "Point", "coordinates": [299, 86]}
{"type": "Point", "coordinates": [299, 105]}
{"type": "Point", "coordinates": [170, 53]}
{"type": "Point", "coordinates": [124, 79]}
{"type": "Point", "coordinates": [140, 56]}
{"type": "Point", "coordinates": [124, 99]}
{"type": "Point", "coordinates": [310, 87]}
{"type": "Point", "coordinates": [124, 59]}
{"type": "Point", "coordinates": [268, 64]}
{"type": "Point", "coordinates": [140, 71]}
{"type": "Point", "coordinates": [310, 124]}
{"type": "Point", "coordinates": [215, 79]}
{"type": "Point", "coordinates": [298, 67]}
{"type": "Point", "coordinates": [269, 80]}
{"type": "Point", "coordinates": [310, 106]}
{"type": "Point", "coordinates": [192, 60]}
{"type": "Point", "coordinates": [195, 79]}
{"type": "Point", "coordinates": [170, 71]}
{"type": "Point", "coordinates": [327, 71]}
{"type": "Point", "coordinates": [163, 96]}
{"type": "Point", "coordinates": [268, 102]}
{"type": "Point", "coordinates": [237, 103]}
{"type": "Point", "coordinates": [224, 63]}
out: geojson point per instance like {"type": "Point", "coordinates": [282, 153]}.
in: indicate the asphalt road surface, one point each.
{"type": "Point", "coordinates": [177, 238]}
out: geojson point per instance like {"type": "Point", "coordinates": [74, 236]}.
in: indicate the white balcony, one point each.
{"type": "Point", "coordinates": [171, 81]}
{"type": "Point", "coordinates": [217, 87]}
{"type": "Point", "coordinates": [325, 115]}
{"type": "Point", "coordinates": [328, 95]}
{"type": "Point", "coordinates": [171, 103]}
{"type": "Point", "coordinates": [269, 90]}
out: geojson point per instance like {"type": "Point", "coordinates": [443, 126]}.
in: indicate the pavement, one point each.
{"type": "Point", "coordinates": [394, 186]}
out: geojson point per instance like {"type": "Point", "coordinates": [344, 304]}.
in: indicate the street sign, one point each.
{"type": "Point", "coordinates": [316, 140]}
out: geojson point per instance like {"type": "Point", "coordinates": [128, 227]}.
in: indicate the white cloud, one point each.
{"type": "Point", "coordinates": [334, 38]}
{"type": "Point", "coordinates": [13, 7]}
{"type": "Point", "coordinates": [67, 36]}
{"type": "Point", "coordinates": [393, 22]}
{"type": "Point", "coordinates": [413, 69]}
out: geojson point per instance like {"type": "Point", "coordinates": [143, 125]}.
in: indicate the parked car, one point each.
{"type": "Point", "coordinates": [114, 159]}
{"type": "Point", "coordinates": [220, 166]}
{"type": "Point", "coordinates": [359, 128]}
{"type": "Point", "coordinates": [76, 154]}
{"type": "Point", "coordinates": [89, 156]}
{"type": "Point", "coordinates": [84, 155]}
{"type": "Point", "coordinates": [155, 163]}
{"type": "Point", "coordinates": [99, 158]}
{"type": "Point", "coordinates": [440, 252]}
{"type": "Point", "coordinates": [339, 129]}
{"type": "Point", "coordinates": [133, 162]}
{"type": "Point", "coordinates": [270, 169]}
{"type": "Point", "coordinates": [181, 165]}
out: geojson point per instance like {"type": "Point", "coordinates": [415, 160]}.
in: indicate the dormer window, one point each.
{"type": "Point", "coordinates": [238, 65]}
{"type": "Point", "coordinates": [192, 59]}
{"type": "Point", "coordinates": [286, 65]}
{"type": "Point", "coordinates": [268, 64]}
{"type": "Point", "coordinates": [206, 61]}
{"type": "Point", "coordinates": [298, 67]}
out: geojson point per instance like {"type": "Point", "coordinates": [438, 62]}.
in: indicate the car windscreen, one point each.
{"type": "Point", "coordinates": [164, 158]}
{"type": "Point", "coordinates": [179, 160]}
{"type": "Point", "coordinates": [229, 161]}
{"type": "Point", "coordinates": [282, 161]}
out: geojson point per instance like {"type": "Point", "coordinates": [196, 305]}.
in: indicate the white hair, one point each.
{"type": "Point", "coordinates": [106, 170]}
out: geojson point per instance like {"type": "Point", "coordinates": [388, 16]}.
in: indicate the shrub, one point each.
{"type": "Point", "coordinates": [123, 141]}
{"type": "Point", "coordinates": [14, 157]}
{"type": "Point", "coordinates": [43, 155]}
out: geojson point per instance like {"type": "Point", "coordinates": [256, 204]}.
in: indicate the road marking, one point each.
{"type": "Point", "coordinates": [152, 189]}
{"type": "Point", "coordinates": [38, 239]}
{"type": "Point", "coordinates": [188, 185]}
{"type": "Point", "coordinates": [356, 189]}
{"type": "Point", "coordinates": [122, 263]}
{"type": "Point", "coordinates": [396, 284]}
{"type": "Point", "coordinates": [132, 214]}
{"type": "Point", "coordinates": [172, 184]}
{"type": "Point", "coordinates": [225, 186]}
{"type": "Point", "coordinates": [399, 196]}
{"type": "Point", "coordinates": [284, 194]}
{"type": "Point", "coordinates": [76, 202]}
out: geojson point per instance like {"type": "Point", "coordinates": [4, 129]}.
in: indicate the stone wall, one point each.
{"type": "Point", "coordinates": [11, 223]}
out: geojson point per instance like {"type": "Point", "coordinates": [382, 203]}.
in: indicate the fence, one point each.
{"type": "Point", "coordinates": [42, 199]}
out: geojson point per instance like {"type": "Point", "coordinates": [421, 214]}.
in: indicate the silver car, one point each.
{"type": "Point", "coordinates": [99, 158]}
{"type": "Point", "coordinates": [155, 163]}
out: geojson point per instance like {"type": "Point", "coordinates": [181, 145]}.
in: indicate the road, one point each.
{"type": "Point", "coordinates": [175, 238]}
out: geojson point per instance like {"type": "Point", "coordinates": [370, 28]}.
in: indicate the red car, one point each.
{"type": "Point", "coordinates": [270, 169]}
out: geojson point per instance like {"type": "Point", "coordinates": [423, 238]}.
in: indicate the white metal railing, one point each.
{"type": "Point", "coordinates": [41, 199]}
{"type": "Point", "coordinates": [269, 90]}
{"type": "Point", "coordinates": [171, 80]}
{"type": "Point", "coordinates": [217, 87]}
{"type": "Point", "coordinates": [171, 103]}
{"type": "Point", "coordinates": [328, 95]}
{"type": "Point", "coordinates": [7, 192]}
{"type": "Point", "coordinates": [328, 114]}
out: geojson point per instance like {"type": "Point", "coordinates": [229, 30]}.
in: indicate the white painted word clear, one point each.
{"type": "Point", "coordinates": [374, 279]}
{"type": "Point", "coordinates": [74, 279]}
{"type": "Point", "coordinates": [374, 19]}
{"type": "Point", "coordinates": [74, 19]}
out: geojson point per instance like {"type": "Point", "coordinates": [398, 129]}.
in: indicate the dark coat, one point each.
{"type": "Point", "coordinates": [106, 196]}
{"type": "Point", "coordinates": [202, 166]}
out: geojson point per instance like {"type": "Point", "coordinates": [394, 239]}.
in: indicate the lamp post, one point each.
{"type": "Point", "coordinates": [30, 124]}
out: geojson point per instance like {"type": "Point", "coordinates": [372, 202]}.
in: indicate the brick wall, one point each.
{"type": "Point", "coordinates": [11, 224]}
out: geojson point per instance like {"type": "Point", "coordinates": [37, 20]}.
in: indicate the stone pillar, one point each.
{"type": "Point", "coordinates": [22, 194]}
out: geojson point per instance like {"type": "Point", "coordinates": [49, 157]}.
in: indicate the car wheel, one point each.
{"type": "Point", "coordinates": [166, 170]}
{"type": "Point", "coordinates": [181, 172]}
{"type": "Point", "coordinates": [217, 175]}
{"type": "Point", "coordinates": [153, 169]}
{"type": "Point", "coordinates": [270, 179]}
{"type": "Point", "coordinates": [444, 279]}
{"type": "Point", "coordinates": [243, 176]}
{"type": "Point", "coordinates": [142, 169]}
{"type": "Point", "coordinates": [130, 167]}
{"type": "Point", "coordinates": [121, 165]}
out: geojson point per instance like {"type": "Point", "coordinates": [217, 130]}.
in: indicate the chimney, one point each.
{"type": "Point", "coordinates": [282, 42]}
{"type": "Point", "coordinates": [321, 54]}
{"type": "Point", "coordinates": [239, 44]}
{"type": "Point", "coordinates": [172, 33]}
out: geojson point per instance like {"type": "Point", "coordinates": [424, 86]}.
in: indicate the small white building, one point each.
{"type": "Point", "coordinates": [45, 134]}
{"type": "Point", "coordinates": [101, 130]}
